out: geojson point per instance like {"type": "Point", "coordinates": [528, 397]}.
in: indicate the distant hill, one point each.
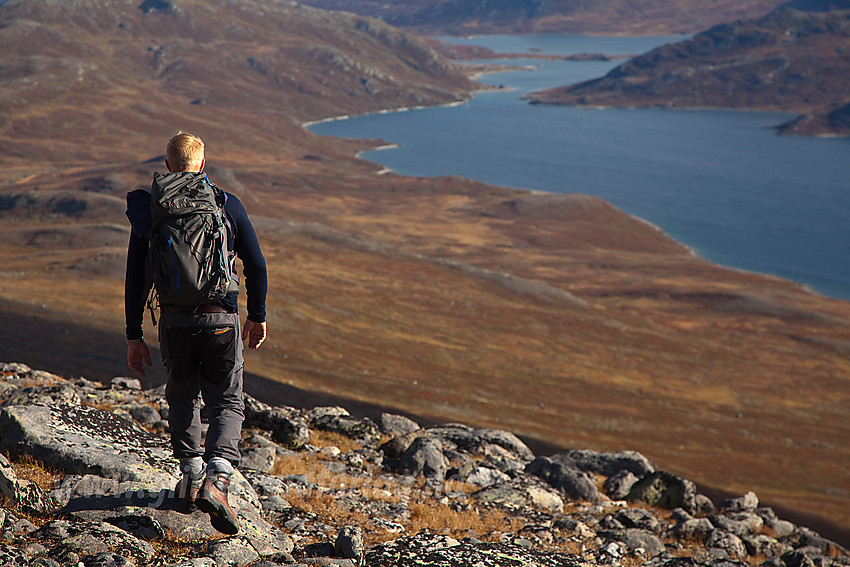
{"type": "Point", "coordinates": [79, 71]}
{"type": "Point", "coordinates": [463, 17]}
{"type": "Point", "coordinates": [795, 59]}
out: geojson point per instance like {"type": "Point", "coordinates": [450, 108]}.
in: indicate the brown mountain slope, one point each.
{"type": "Point", "coordinates": [463, 17]}
{"type": "Point", "coordinates": [794, 59]}
{"type": "Point", "coordinates": [558, 317]}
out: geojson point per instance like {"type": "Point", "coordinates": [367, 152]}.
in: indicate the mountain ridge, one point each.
{"type": "Point", "coordinates": [791, 60]}
{"type": "Point", "coordinates": [476, 17]}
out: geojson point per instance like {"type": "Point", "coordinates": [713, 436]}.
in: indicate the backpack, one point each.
{"type": "Point", "coordinates": [188, 262]}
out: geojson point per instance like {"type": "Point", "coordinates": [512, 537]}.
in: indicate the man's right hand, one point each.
{"type": "Point", "coordinates": [137, 354]}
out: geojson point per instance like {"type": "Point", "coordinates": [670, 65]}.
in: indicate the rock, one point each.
{"type": "Point", "coordinates": [763, 545]}
{"type": "Point", "coordinates": [443, 551]}
{"type": "Point", "coordinates": [606, 464]}
{"type": "Point", "coordinates": [122, 382]}
{"type": "Point", "coordinates": [618, 486]}
{"type": "Point", "coordinates": [395, 447]}
{"type": "Point", "coordinates": [638, 518]}
{"type": "Point", "coordinates": [665, 490]}
{"type": "Point", "coordinates": [738, 523]}
{"type": "Point", "coordinates": [804, 557]}
{"type": "Point", "coordinates": [265, 484]}
{"type": "Point", "coordinates": [781, 528]}
{"type": "Point", "coordinates": [395, 425]}
{"type": "Point", "coordinates": [258, 458]}
{"type": "Point", "coordinates": [729, 543]}
{"type": "Point", "coordinates": [364, 429]}
{"type": "Point", "coordinates": [523, 491]}
{"type": "Point", "coordinates": [475, 440]}
{"type": "Point", "coordinates": [746, 503]}
{"type": "Point", "coordinates": [460, 466]}
{"type": "Point", "coordinates": [695, 527]}
{"type": "Point", "coordinates": [86, 538]}
{"type": "Point", "coordinates": [286, 428]}
{"type": "Point", "coordinates": [574, 483]}
{"type": "Point", "coordinates": [146, 415]}
{"type": "Point", "coordinates": [424, 457]}
{"type": "Point", "coordinates": [349, 544]}
{"type": "Point", "coordinates": [636, 539]}
{"type": "Point", "coordinates": [60, 393]}
{"type": "Point", "coordinates": [233, 551]}
{"type": "Point", "coordinates": [141, 526]}
{"type": "Point", "coordinates": [483, 476]}
{"type": "Point", "coordinates": [85, 439]}
{"type": "Point", "coordinates": [12, 556]}
{"type": "Point", "coordinates": [24, 494]}
{"type": "Point", "coordinates": [107, 559]}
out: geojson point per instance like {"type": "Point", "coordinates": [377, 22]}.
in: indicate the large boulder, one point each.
{"type": "Point", "coordinates": [573, 482]}
{"type": "Point", "coordinates": [84, 439]}
{"type": "Point", "coordinates": [606, 464]}
{"type": "Point", "coordinates": [665, 490]}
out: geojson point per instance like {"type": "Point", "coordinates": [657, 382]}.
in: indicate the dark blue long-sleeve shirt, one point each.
{"type": "Point", "coordinates": [242, 239]}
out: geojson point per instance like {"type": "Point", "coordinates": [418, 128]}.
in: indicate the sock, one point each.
{"type": "Point", "coordinates": [192, 467]}
{"type": "Point", "coordinates": [219, 466]}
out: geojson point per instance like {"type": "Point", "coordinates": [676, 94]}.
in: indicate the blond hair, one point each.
{"type": "Point", "coordinates": [184, 152]}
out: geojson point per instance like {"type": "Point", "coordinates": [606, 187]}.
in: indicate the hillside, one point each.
{"type": "Point", "coordinates": [792, 60]}
{"type": "Point", "coordinates": [470, 17]}
{"type": "Point", "coordinates": [557, 317]}
{"type": "Point", "coordinates": [91, 476]}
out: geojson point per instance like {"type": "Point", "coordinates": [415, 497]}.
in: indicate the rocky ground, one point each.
{"type": "Point", "coordinates": [87, 480]}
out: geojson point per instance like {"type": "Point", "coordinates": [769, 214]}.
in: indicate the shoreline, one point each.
{"type": "Point", "coordinates": [383, 170]}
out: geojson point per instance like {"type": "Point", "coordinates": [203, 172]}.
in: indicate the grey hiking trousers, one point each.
{"type": "Point", "coordinates": [203, 355]}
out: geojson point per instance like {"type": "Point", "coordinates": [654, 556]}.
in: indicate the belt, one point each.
{"type": "Point", "coordinates": [193, 310]}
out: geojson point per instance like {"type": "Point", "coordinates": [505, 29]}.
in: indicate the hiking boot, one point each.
{"type": "Point", "coordinates": [186, 497]}
{"type": "Point", "coordinates": [212, 499]}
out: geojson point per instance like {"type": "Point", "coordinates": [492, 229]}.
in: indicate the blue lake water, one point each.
{"type": "Point", "coordinates": [721, 182]}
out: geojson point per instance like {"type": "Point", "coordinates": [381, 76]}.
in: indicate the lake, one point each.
{"type": "Point", "coordinates": [721, 182]}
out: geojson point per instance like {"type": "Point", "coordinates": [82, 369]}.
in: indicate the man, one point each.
{"type": "Point", "coordinates": [200, 345]}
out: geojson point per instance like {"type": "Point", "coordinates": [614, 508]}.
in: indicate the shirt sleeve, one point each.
{"type": "Point", "coordinates": [247, 248]}
{"type": "Point", "coordinates": [134, 286]}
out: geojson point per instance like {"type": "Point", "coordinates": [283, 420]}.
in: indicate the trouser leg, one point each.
{"type": "Point", "coordinates": [182, 390]}
{"type": "Point", "coordinates": [221, 387]}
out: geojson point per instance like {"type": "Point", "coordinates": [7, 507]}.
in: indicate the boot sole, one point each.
{"type": "Point", "coordinates": [219, 518]}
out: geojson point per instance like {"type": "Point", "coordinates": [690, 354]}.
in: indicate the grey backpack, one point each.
{"type": "Point", "coordinates": [188, 261]}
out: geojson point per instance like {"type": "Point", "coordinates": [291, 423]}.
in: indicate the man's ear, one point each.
{"type": "Point", "coordinates": [203, 163]}
{"type": "Point", "coordinates": [168, 167]}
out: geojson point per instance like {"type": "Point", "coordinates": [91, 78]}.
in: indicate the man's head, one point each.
{"type": "Point", "coordinates": [185, 152]}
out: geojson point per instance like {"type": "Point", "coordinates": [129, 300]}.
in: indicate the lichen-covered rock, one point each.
{"type": "Point", "coordinates": [24, 494]}
{"type": "Point", "coordinates": [87, 440]}
{"type": "Point", "coordinates": [233, 551]}
{"type": "Point", "coordinates": [349, 544]}
{"type": "Point", "coordinates": [442, 551]}
{"type": "Point", "coordinates": [726, 542]}
{"type": "Point", "coordinates": [87, 538]}
{"type": "Point", "coordinates": [665, 490]}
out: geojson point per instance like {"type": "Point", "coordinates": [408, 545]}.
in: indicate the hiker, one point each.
{"type": "Point", "coordinates": [200, 342]}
